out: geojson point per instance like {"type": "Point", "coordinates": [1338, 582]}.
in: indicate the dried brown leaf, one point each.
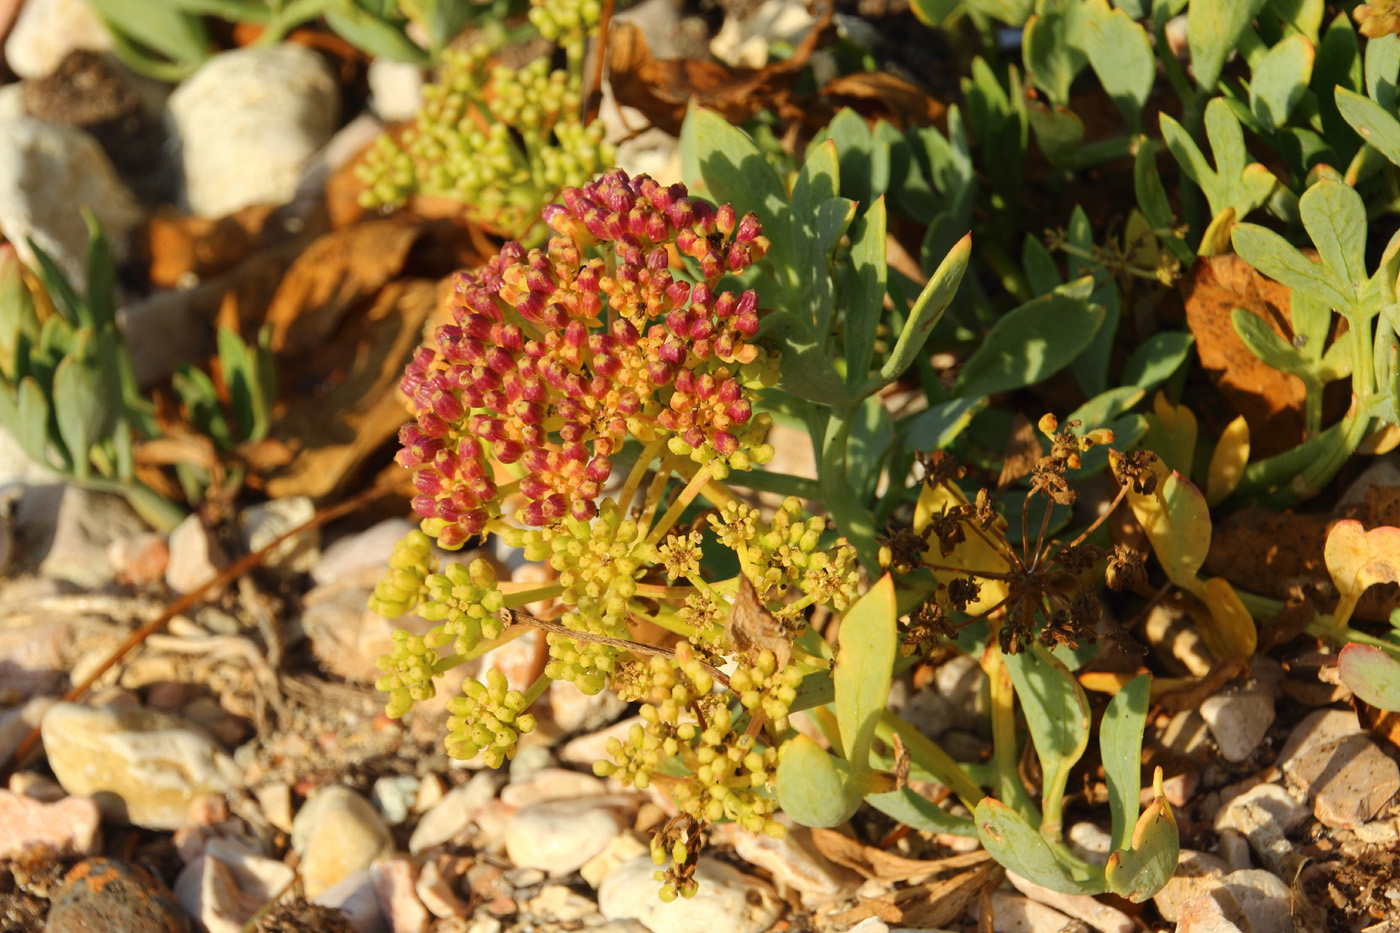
{"type": "Point", "coordinates": [874, 862]}
{"type": "Point", "coordinates": [925, 906]}
{"type": "Point", "coordinates": [752, 629]}
{"type": "Point", "coordinates": [1022, 451]}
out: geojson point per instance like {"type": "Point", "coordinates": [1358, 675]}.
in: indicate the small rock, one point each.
{"type": "Point", "coordinates": [1080, 906]}
{"type": "Point", "coordinates": [586, 749]}
{"type": "Point", "coordinates": [1261, 805]}
{"type": "Point", "coordinates": [395, 89]}
{"type": "Point", "coordinates": [337, 833]}
{"type": "Point", "coordinates": [33, 656]}
{"type": "Point", "coordinates": [1179, 789]}
{"type": "Point", "coordinates": [1263, 898]}
{"type": "Point", "coordinates": [1014, 914]}
{"type": "Point", "coordinates": [47, 30]}
{"type": "Point", "coordinates": [394, 885]}
{"type": "Point", "coordinates": [1318, 728]}
{"type": "Point", "coordinates": [1238, 720]}
{"type": "Point", "coordinates": [69, 825]}
{"type": "Point", "coordinates": [107, 894]}
{"type": "Point", "coordinates": [393, 796]}
{"type": "Point", "coordinates": [227, 884]}
{"type": "Point", "coordinates": [1204, 914]}
{"type": "Point", "coordinates": [1350, 780]}
{"type": "Point", "coordinates": [795, 861]}
{"type": "Point", "coordinates": [622, 848]}
{"type": "Point", "coordinates": [265, 522]}
{"type": "Point", "coordinates": [195, 557]}
{"type": "Point", "coordinates": [143, 767]}
{"type": "Point", "coordinates": [65, 531]}
{"type": "Point", "coordinates": [1186, 734]}
{"type": "Point", "coordinates": [367, 550]}
{"type": "Point", "coordinates": [437, 893]}
{"type": "Point", "coordinates": [728, 900]}
{"type": "Point", "coordinates": [1090, 843]}
{"type": "Point", "coordinates": [558, 904]}
{"type": "Point", "coordinates": [455, 813]}
{"type": "Point", "coordinates": [35, 786]}
{"type": "Point", "coordinates": [956, 699]}
{"type": "Point", "coordinates": [1197, 873]}
{"type": "Point", "coordinates": [551, 784]}
{"type": "Point", "coordinates": [16, 724]}
{"type": "Point", "coordinates": [275, 801]}
{"type": "Point", "coordinates": [430, 791]}
{"type": "Point", "coordinates": [48, 175]}
{"type": "Point", "coordinates": [355, 898]}
{"type": "Point", "coordinates": [139, 560]}
{"type": "Point", "coordinates": [571, 710]}
{"type": "Point", "coordinates": [248, 120]}
{"type": "Point", "coordinates": [745, 42]}
{"type": "Point", "coordinates": [558, 836]}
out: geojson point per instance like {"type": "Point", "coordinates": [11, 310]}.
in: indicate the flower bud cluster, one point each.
{"type": "Point", "coordinates": [467, 603]}
{"type": "Point", "coordinates": [410, 563]}
{"type": "Point", "coordinates": [407, 673]}
{"type": "Point", "coordinates": [487, 719]}
{"type": "Point", "coordinates": [554, 359]}
{"type": "Point", "coordinates": [765, 689]}
{"type": "Point", "coordinates": [502, 141]}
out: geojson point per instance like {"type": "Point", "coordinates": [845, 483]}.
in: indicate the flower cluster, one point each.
{"type": "Point", "coordinates": [500, 140]}
{"type": "Point", "coordinates": [553, 359]}
{"type": "Point", "coordinates": [487, 719]}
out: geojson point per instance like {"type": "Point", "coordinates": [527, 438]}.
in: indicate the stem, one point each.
{"type": "Point", "coordinates": [1003, 700]}
{"type": "Point", "coordinates": [536, 690]}
{"type": "Point", "coordinates": [520, 594]}
{"type": "Point", "coordinates": [687, 496]}
{"type": "Point", "coordinates": [639, 470]}
{"type": "Point", "coordinates": [930, 756]}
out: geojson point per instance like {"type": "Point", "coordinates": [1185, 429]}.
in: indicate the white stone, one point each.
{"type": "Point", "coordinates": [1080, 906]}
{"type": "Point", "coordinates": [248, 120]}
{"type": "Point", "coordinates": [727, 900]}
{"type": "Point", "coordinates": [265, 522]}
{"type": "Point", "coordinates": [355, 898]}
{"type": "Point", "coordinates": [745, 42]}
{"type": "Point", "coordinates": [144, 768]}
{"type": "Point", "coordinates": [228, 883]}
{"type": "Point", "coordinates": [66, 530]}
{"type": "Point", "coordinates": [558, 836]}
{"type": "Point", "coordinates": [1205, 914]}
{"type": "Point", "coordinates": [1196, 873]}
{"type": "Point", "coordinates": [393, 795]}
{"type": "Point", "coordinates": [437, 894]}
{"type": "Point", "coordinates": [455, 813]}
{"type": "Point", "coordinates": [551, 784]}
{"type": "Point", "coordinates": [17, 468]}
{"type": "Point", "coordinates": [1318, 728]}
{"type": "Point", "coordinates": [195, 557]}
{"type": "Point", "coordinates": [337, 834]}
{"type": "Point", "coordinates": [622, 848]}
{"type": "Point", "coordinates": [1012, 913]}
{"type": "Point", "coordinates": [795, 861]}
{"type": "Point", "coordinates": [1261, 805]}
{"type": "Point", "coordinates": [1091, 843]}
{"type": "Point", "coordinates": [72, 824]}
{"type": "Point", "coordinates": [557, 903]}
{"type": "Point", "coordinates": [395, 887]}
{"type": "Point", "coordinates": [1238, 720]}
{"type": "Point", "coordinates": [48, 175]}
{"type": "Point", "coordinates": [1263, 898]}
{"type": "Point", "coordinates": [47, 30]}
{"type": "Point", "coordinates": [367, 550]}
{"type": "Point", "coordinates": [395, 89]}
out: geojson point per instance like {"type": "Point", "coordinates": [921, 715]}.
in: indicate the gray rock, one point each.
{"type": "Point", "coordinates": [107, 894]}
{"type": "Point", "coordinates": [1238, 719]}
{"type": "Point", "coordinates": [64, 532]}
{"type": "Point", "coordinates": [1079, 906]}
{"type": "Point", "coordinates": [47, 30]}
{"type": "Point", "coordinates": [1014, 914]}
{"type": "Point", "coordinates": [1318, 728]}
{"type": "Point", "coordinates": [144, 768]}
{"type": "Point", "coordinates": [368, 550]}
{"type": "Point", "coordinates": [355, 898]}
{"type": "Point", "coordinates": [195, 557]}
{"type": "Point", "coordinates": [558, 836]}
{"type": "Point", "coordinates": [248, 120]}
{"type": "Point", "coordinates": [1263, 898]}
{"type": "Point", "coordinates": [795, 861]}
{"type": "Point", "coordinates": [265, 522]}
{"type": "Point", "coordinates": [1197, 873]}
{"type": "Point", "coordinates": [1349, 779]}
{"type": "Point", "coordinates": [337, 834]}
{"type": "Point", "coordinates": [48, 175]}
{"type": "Point", "coordinates": [728, 900]}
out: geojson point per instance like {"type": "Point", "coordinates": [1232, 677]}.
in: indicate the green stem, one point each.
{"type": "Point", "coordinates": [687, 496]}
{"type": "Point", "coordinates": [536, 690]}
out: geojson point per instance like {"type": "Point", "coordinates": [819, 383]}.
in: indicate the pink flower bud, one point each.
{"type": "Point", "coordinates": [507, 451]}
{"type": "Point", "coordinates": [429, 483]}
{"type": "Point", "coordinates": [725, 219]}
{"type": "Point", "coordinates": [583, 510]}
{"type": "Point", "coordinates": [704, 217]}
{"type": "Point", "coordinates": [433, 426]}
{"type": "Point", "coordinates": [533, 487]}
{"type": "Point", "coordinates": [739, 412]}
{"type": "Point", "coordinates": [536, 460]}
{"type": "Point", "coordinates": [533, 514]}
{"type": "Point", "coordinates": [725, 443]}
{"type": "Point", "coordinates": [599, 469]}
{"type": "Point", "coordinates": [555, 506]}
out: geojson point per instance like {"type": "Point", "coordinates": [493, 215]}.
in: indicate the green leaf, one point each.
{"type": "Point", "coordinates": [1015, 843]}
{"type": "Point", "coordinates": [1041, 271]}
{"type": "Point", "coordinates": [101, 277]}
{"type": "Point", "coordinates": [864, 659]}
{"type": "Point", "coordinates": [155, 26]}
{"type": "Point", "coordinates": [1142, 872]}
{"type": "Point", "coordinates": [935, 428]}
{"type": "Point", "coordinates": [813, 787]}
{"type": "Point", "coordinates": [863, 291]}
{"type": "Point", "coordinates": [1052, 48]}
{"type": "Point", "coordinates": [1121, 55]}
{"type": "Point", "coordinates": [1120, 741]}
{"type": "Point", "coordinates": [1153, 362]}
{"type": "Point", "coordinates": [933, 12]}
{"type": "Point", "coordinates": [920, 813]}
{"type": "Point", "coordinates": [1371, 674]}
{"type": "Point", "coordinates": [1267, 345]}
{"type": "Point", "coordinates": [1272, 255]}
{"type": "Point", "coordinates": [1057, 714]}
{"type": "Point", "coordinates": [369, 33]}
{"type": "Point", "coordinates": [1382, 66]}
{"type": "Point", "coordinates": [927, 310]}
{"type": "Point", "coordinates": [1058, 131]}
{"type": "Point", "coordinates": [807, 370]}
{"type": "Point", "coordinates": [83, 404]}
{"type": "Point", "coordinates": [31, 424]}
{"type": "Point", "coordinates": [61, 292]}
{"type": "Point", "coordinates": [1032, 342]}
{"type": "Point", "coordinates": [1335, 218]}
{"type": "Point", "coordinates": [1214, 30]}
{"type": "Point", "coordinates": [1278, 83]}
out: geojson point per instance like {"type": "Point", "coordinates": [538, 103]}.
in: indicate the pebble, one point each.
{"type": "Point", "coordinates": [144, 768]}
{"type": "Point", "coordinates": [728, 899]}
{"type": "Point", "coordinates": [559, 904]}
{"type": "Point", "coordinates": [65, 531]}
{"type": "Point", "coordinates": [48, 175]}
{"type": "Point", "coordinates": [265, 522]}
{"type": "Point", "coordinates": [36, 786]}
{"type": "Point", "coordinates": [394, 884]}
{"type": "Point", "coordinates": [1186, 734]}
{"type": "Point", "coordinates": [586, 749]}
{"type": "Point", "coordinates": [1079, 906]}
{"type": "Point", "coordinates": [1261, 805]}
{"type": "Point", "coordinates": [140, 559]}
{"type": "Point", "coordinates": [572, 711]}
{"type": "Point", "coordinates": [1263, 898]}
{"type": "Point", "coordinates": [226, 884]}
{"type": "Point", "coordinates": [558, 836]}
{"type": "Point", "coordinates": [248, 120]}
{"type": "Point", "coordinates": [395, 89]}
{"type": "Point", "coordinates": [955, 699]}
{"type": "Point", "coordinates": [437, 893]}
{"type": "Point", "coordinates": [354, 554]}
{"type": "Point", "coordinates": [551, 784]}
{"type": "Point", "coordinates": [337, 833]}
{"type": "Point", "coordinates": [455, 813]}
{"type": "Point", "coordinates": [795, 861]}
{"type": "Point", "coordinates": [1014, 914]}
{"type": "Point", "coordinates": [1091, 843]}
{"type": "Point", "coordinates": [16, 724]}
{"type": "Point", "coordinates": [1197, 873]}
{"type": "Point", "coordinates": [47, 30]}
{"type": "Point", "coordinates": [355, 897]}
{"type": "Point", "coordinates": [393, 796]}
{"type": "Point", "coordinates": [195, 557]}
{"type": "Point", "coordinates": [621, 848]}
{"type": "Point", "coordinates": [1350, 779]}
{"type": "Point", "coordinates": [33, 656]}
{"type": "Point", "coordinates": [1205, 914]}
{"type": "Point", "coordinates": [1238, 720]}
{"type": "Point", "coordinates": [1321, 727]}
{"type": "Point", "coordinates": [745, 42]}
{"type": "Point", "coordinates": [72, 824]}
{"type": "Point", "coordinates": [275, 801]}
{"type": "Point", "coordinates": [107, 894]}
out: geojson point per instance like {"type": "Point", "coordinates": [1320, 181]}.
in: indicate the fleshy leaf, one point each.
{"type": "Point", "coordinates": [867, 644]}
{"type": "Point", "coordinates": [1228, 461]}
{"type": "Point", "coordinates": [1232, 633]}
{"type": "Point", "coordinates": [1371, 674]}
{"type": "Point", "coordinates": [1177, 522]}
{"type": "Point", "coordinates": [1142, 872]}
{"type": "Point", "coordinates": [1016, 844]}
{"type": "Point", "coordinates": [1120, 741]}
{"type": "Point", "coordinates": [1358, 559]}
{"type": "Point", "coordinates": [813, 787]}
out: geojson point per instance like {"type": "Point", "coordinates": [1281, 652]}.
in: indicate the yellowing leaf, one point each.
{"type": "Point", "coordinates": [1380, 442]}
{"type": "Point", "coordinates": [973, 555]}
{"type": "Point", "coordinates": [1171, 434]}
{"type": "Point", "coordinates": [1233, 633]}
{"type": "Point", "coordinates": [1228, 461]}
{"type": "Point", "coordinates": [1177, 522]}
{"type": "Point", "coordinates": [1358, 559]}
